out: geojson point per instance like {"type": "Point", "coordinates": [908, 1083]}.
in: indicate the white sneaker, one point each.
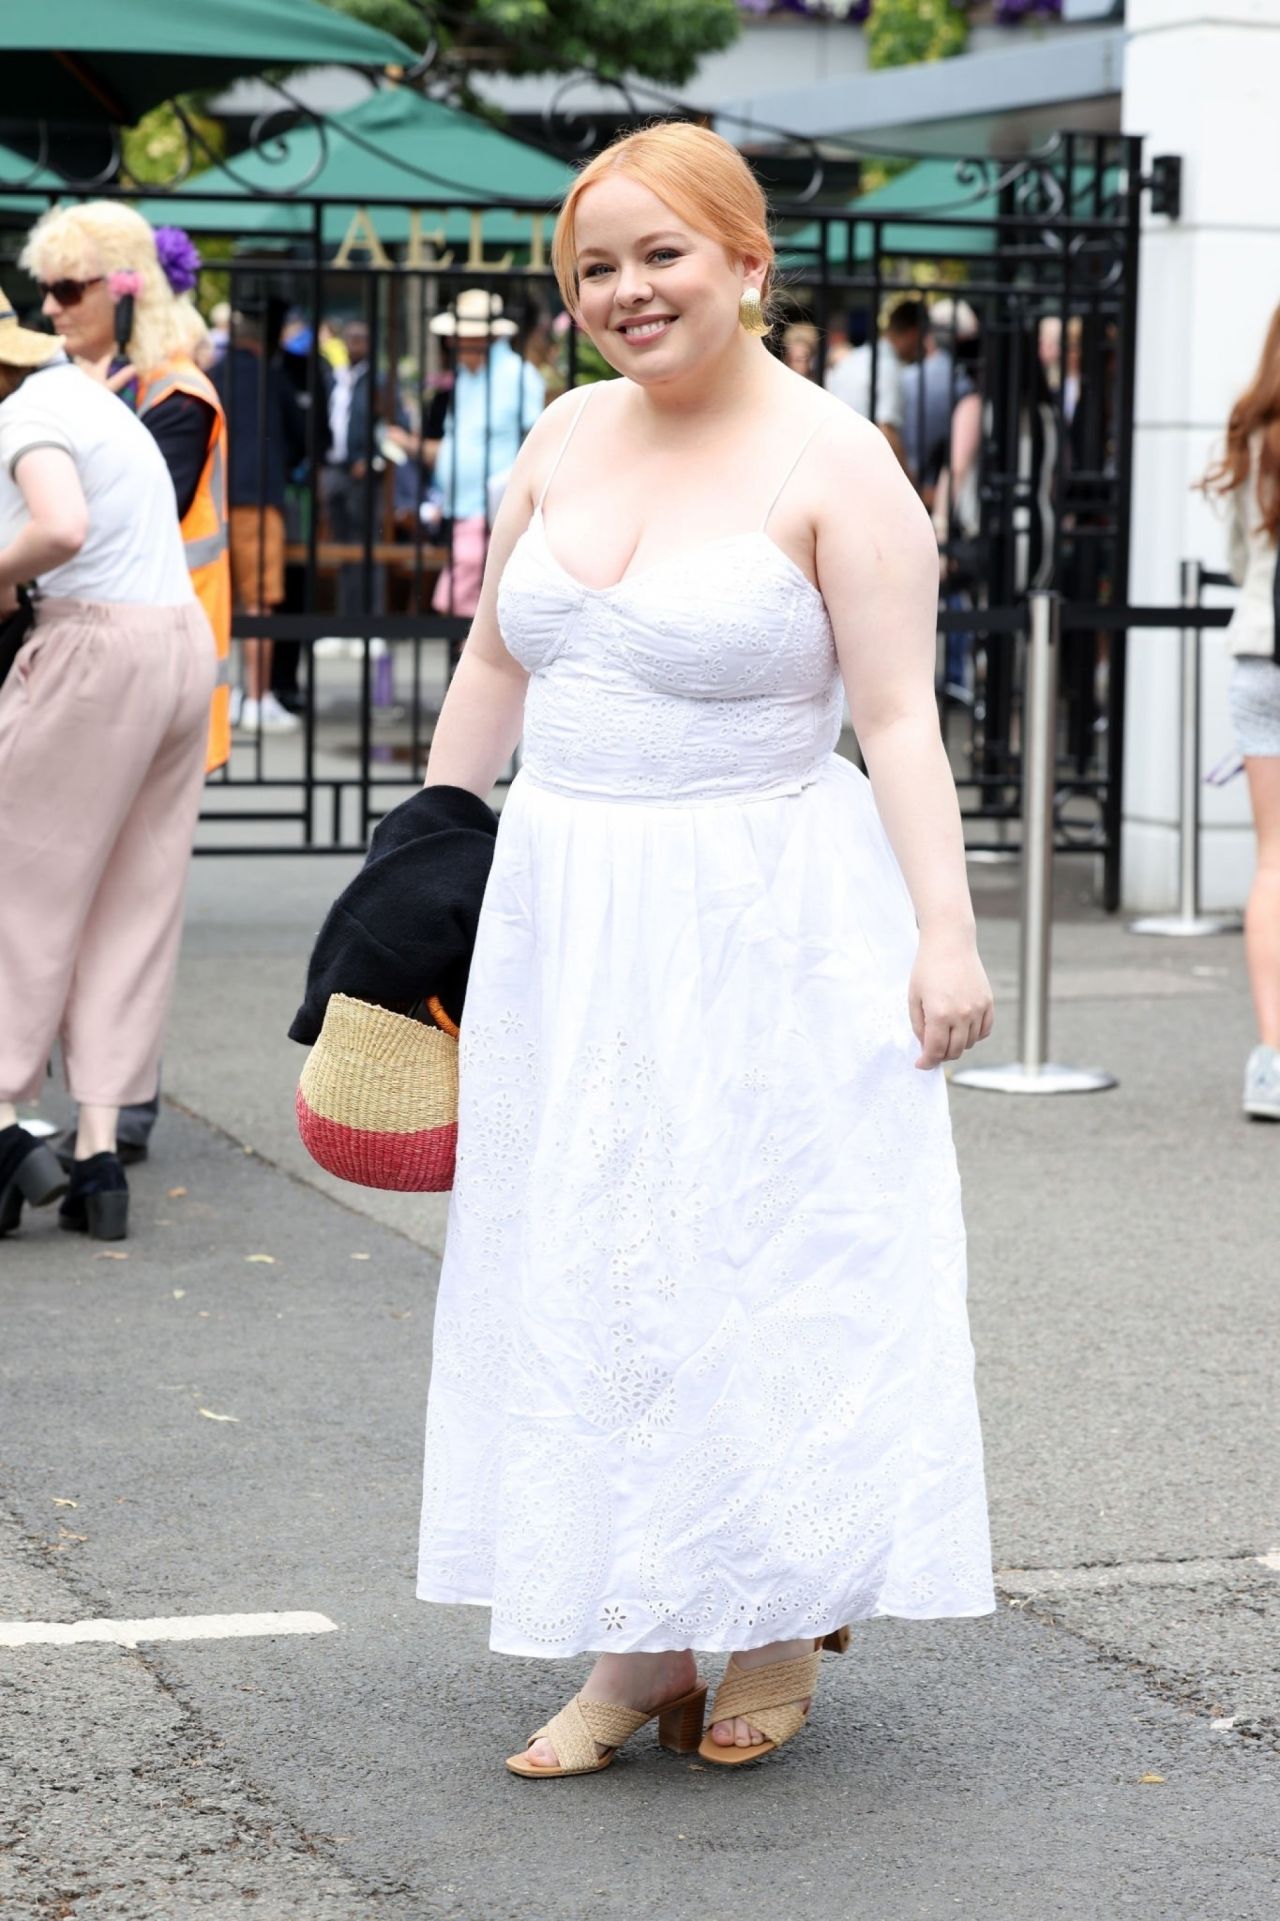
{"type": "Point", "coordinates": [1262, 1084]}
{"type": "Point", "coordinates": [266, 716]}
{"type": "Point", "coordinates": [237, 702]}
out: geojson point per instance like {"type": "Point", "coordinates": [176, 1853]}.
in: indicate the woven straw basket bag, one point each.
{"type": "Point", "coordinates": [378, 1100]}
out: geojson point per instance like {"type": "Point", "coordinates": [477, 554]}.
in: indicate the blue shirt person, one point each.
{"type": "Point", "coordinates": [497, 396]}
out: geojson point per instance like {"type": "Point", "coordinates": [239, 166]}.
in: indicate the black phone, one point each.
{"type": "Point", "coordinates": [123, 330]}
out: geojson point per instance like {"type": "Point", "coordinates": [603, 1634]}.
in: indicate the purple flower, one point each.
{"type": "Point", "coordinates": [179, 258]}
{"type": "Point", "coordinates": [1009, 12]}
{"type": "Point", "coordinates": [848, 10]}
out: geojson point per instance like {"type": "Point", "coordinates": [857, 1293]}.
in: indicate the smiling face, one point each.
{"type": "Point", "coordinates": [657, 297]}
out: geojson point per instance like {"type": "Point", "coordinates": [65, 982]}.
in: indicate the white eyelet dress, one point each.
{"type": "Point", "coordinates": [702, 1372]}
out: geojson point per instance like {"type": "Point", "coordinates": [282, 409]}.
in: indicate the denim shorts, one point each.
{"type": "Point", "coordinates": [1255, 705]}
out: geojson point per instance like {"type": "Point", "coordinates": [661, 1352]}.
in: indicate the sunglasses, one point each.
{"type": "Point", "coordinates": [68, 293]}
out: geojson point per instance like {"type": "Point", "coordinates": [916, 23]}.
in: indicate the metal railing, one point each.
{"type": "Point", "coordinates": [1036, 250]}
{"type": "Point", "coordinates": [1187, 921]}
{"type": "Point", "coordinates": [1033, 1072]}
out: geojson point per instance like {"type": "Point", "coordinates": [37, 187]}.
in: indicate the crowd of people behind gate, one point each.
{"type": "Point", "coordinates": [423, 464]}
{"type": "Point", "coordinates": [389, 473]}
{"type": "Point", "coordinates": [385, 467]}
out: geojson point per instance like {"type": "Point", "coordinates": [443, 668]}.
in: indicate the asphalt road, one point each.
{"type": "Point", "coordinates": [1124, 1309]}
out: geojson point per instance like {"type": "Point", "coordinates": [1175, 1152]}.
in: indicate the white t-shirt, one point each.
{"type": "Point", "coordinates": [133, 550]}
{"type": "Point", "coordinates": [850, 380]}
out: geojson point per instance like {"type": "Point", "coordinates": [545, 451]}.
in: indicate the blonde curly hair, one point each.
{"type": "Point", "coordinates": [105, 237]}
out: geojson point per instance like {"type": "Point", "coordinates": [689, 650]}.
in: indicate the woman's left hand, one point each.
{"type": "Point", "coordinates": [950, 997]}
{"type": "Point", "coordinates": [8, 599]}
{"type": "Point", "coordinates": [100, 370]}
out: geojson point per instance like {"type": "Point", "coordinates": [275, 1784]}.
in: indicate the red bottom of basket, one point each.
{"type": "Point", "coordinates": [419, 1163]}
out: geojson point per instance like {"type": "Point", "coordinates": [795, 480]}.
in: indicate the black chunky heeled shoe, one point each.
{"type": "Point", "coordinates": [29, 1171]}
{"type": "Point", "coordinates": [97, 1202]}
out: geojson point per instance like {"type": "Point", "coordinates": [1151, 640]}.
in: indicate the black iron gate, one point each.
{"type": "Point", "coordinates": [1023, 281]}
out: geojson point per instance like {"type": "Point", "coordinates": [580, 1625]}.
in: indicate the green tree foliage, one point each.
{"type": "Point", "coordinates": [900, 32]}
{"type": "Point", "coordinates": [657, 40]}
{"type": "Point", "coordinates": [158, 150]}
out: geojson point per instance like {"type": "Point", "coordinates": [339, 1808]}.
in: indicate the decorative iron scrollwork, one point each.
{"type": "Point", "coordinates": [560, 124]}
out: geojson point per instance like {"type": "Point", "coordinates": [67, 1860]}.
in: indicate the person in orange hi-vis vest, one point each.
{"type": "Point", "coordinates": [204, 528]}
{"type": "Point", "coordinates": [118, 295]}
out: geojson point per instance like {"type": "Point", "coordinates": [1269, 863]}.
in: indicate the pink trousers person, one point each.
{"type": "Point", "coordinates": [458, 588]}
{"type": "Point", "coordinates": [103, 725]}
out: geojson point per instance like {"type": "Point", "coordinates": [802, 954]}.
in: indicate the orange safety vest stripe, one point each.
{"type": "Point", "coordinates": [204, 533]}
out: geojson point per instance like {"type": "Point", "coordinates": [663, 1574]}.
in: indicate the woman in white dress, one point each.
{"type": "Point", "coordinates": [702, 1375]}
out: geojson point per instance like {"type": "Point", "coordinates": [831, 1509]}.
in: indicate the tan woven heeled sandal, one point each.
{"type": "Point", "coordinates": [584, 1726]}
{"type": "Point", "coordinates": [769, 1698]}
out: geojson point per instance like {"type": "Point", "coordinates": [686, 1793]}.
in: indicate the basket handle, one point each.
{"type": "Point", "coordinates": [440, 1018]}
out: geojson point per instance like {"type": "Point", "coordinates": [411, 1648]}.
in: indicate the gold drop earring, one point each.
{"type": "Point", "coordinates": [751, 313]}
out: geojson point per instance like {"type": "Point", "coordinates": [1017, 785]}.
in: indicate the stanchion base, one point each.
{"type": "Point", "coordinates": [1184, 927]}
{"type": "Point", "coordinates": [1014, 1078]}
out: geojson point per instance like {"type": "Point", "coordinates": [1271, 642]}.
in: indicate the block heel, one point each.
{"type": "Point", "coordinates": [97, 1202]}
{"type": "Point", "coordinates": [41, 1177]}
{"type": "Point", "coordinates": [106, 1216]}
{"type": "Point", "coordinates": [680, 1724]}
{"type": "Point", "coordinates": [30, 1173]}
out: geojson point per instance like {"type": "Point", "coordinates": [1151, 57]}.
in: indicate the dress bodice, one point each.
{"type": "Point", "coordinates": [709, 674]}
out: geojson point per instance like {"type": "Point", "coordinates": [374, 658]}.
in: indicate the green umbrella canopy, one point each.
{"type": "Point", "coordinates": [395, 145]}
{"type": "Point", "coordinates": [930, 187]}
{"type": "Point", "coordinates": [95, 60]}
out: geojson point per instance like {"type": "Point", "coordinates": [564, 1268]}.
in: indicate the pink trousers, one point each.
{"type": "Point", "coordinates": [103, 725]}
{"type": "Point", "coordinates": [458, 588]}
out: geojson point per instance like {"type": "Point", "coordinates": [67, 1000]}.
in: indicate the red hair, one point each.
{"type": "Point", "coordinates": [696, 173]}
{"type": "Point", "coordinates": [1256, 411]}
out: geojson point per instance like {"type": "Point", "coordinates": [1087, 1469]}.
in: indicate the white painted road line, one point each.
{"type": "Point", "coordinates": [171, 1627]}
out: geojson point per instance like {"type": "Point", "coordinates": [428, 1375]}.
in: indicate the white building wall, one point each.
{"type": "Point", "coordinates": [1202, 79]}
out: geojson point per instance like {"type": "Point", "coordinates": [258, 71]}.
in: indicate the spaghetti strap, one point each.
{"type": "Point", "coordinates": [564, 444]}
{"type": "Point", "coordinates": [804, 448]}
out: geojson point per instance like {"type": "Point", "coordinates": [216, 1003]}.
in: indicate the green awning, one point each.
{"type": "Point", "coordinates": [930, 187]}
{"type": "Point", "coordinates": [396, 145]}
{"type": "Point", "coordinates": [96, 60]}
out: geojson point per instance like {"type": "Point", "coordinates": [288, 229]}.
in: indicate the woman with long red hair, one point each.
{"type": "Point", "coordinates": [1248, 476]}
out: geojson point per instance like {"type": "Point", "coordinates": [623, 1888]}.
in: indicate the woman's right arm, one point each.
{"type": "Point", "coordinates": [50, 486]}
{"type": "Point", "coordinates": [483, 714]}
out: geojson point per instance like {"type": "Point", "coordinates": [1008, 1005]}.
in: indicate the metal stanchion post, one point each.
{"type": "Point", "coordinates": [1189, 921]}
{"type": "Point", "coordinates": [1032, 1073]}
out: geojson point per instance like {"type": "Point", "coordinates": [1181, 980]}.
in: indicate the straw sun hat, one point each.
{"type": "Point", "coordinates": [475, 315]}
{"type": "Point", "coordinates": [23, 346]}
